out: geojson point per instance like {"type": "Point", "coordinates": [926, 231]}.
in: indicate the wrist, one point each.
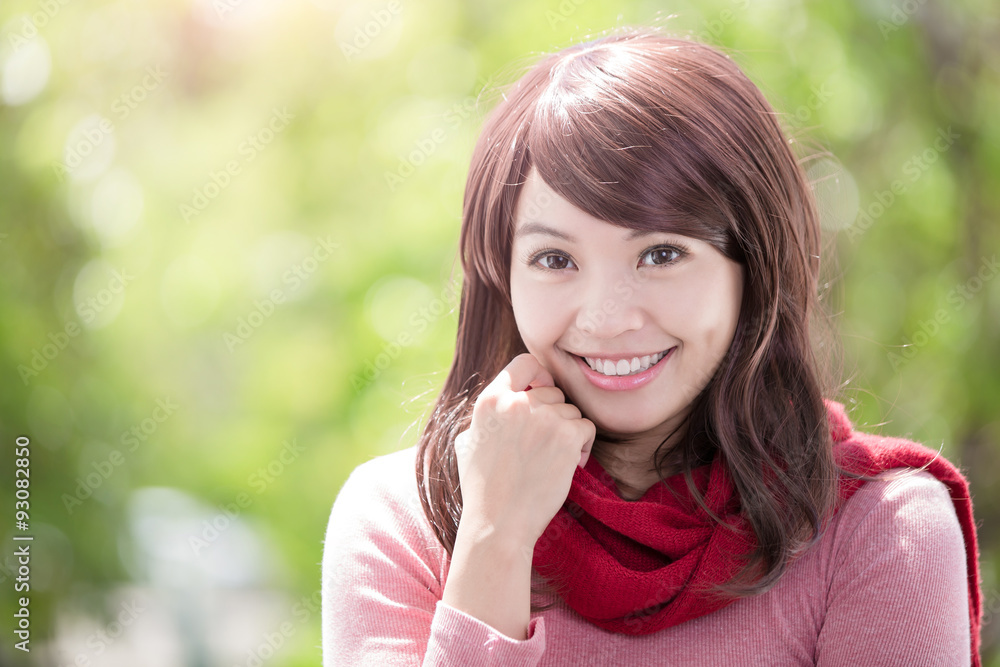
{"type": "Point", "coordinates": [489, 577]}
{"type": "Point", "coordinates": [504, 540]}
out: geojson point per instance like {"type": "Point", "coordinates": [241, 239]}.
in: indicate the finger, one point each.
{"type": "Point", "coordinates": [566, 410]}
{"type": "Point", "coordinates": [542, 395]}
{"type": "Point", "coordinates": [591, 432]}
{"type": "Point", "coordinates": [522, 372]}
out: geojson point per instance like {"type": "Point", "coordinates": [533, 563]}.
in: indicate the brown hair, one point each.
{"type": "Point", "coordinates": [650, 132]}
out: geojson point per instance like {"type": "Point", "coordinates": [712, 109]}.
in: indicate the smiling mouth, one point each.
{"type": "Point", "coordinates": [624, 367]}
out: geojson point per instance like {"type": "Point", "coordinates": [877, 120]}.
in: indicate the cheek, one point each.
{"type": "Point", "coordinates": [544, 317]}
{"type": "Point", "coordinates": [727, 314]}
{"type": "Point", "coordinates": [706, 317]}
{"type": "Point", "coordinates": [529, 308]}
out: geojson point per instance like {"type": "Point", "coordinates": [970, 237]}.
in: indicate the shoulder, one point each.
{"type": "Point", "coordinates": [383, 570]}
{"type": "Point", "coordinates": [900, 501]}
{"type": "Point", "coordinates": [903, 521]}
{"type": "Point", "coordinates": [382, 489]}
{"type": "Point", "coordinates": [383, 473]}
{"type": "Point", "coordinates": [902, 487]}
{"type": "Point", "coordinates": [915, 489]}
{"type": "Point", "coordinates": [895, 564]}
{"type": "Point", "coordinates": [378, 524]}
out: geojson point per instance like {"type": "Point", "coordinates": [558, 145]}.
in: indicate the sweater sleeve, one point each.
{"type": "Point", "coordinates": [383, 579]}
{"type": "Point", "coordinates": [897, 585]}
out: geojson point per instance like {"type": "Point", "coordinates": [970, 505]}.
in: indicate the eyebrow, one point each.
{"type": "Point", "coordinates": [529, 228]}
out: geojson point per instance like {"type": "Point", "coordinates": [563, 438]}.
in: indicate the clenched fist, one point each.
{"type": "Point", "coordinates": [517, 458]}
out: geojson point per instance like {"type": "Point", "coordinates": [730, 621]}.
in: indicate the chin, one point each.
{"type": "Point", "coordinates": [621, 424]}
{"type": "Point", "coordinates": [643, 417]}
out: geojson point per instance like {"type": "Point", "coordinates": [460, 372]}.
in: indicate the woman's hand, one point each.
{"type": "Point", "coordinates": [517, 459]}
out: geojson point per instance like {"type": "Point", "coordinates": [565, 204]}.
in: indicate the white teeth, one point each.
{"type": "Point", "coordinates": [623, 366]}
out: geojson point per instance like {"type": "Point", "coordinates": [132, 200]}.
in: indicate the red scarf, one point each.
{"type": "Point", "coordinates": [639, 567]}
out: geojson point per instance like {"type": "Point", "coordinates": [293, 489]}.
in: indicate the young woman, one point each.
{"type": "Point", "coordinates": [632, 461]}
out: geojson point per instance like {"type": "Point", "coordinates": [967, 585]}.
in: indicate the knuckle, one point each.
{"type": "Point", "coordinates": [515, 403]}
{"type": "Point", "coordinates": [485, 403]}
{"type": "Point", "coordinates": [490, 395]}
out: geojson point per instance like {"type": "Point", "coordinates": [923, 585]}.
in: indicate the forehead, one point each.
{"type": "Point", "coordinates": [533, 228]}
{"type": "Point", "coordinates": [543, 212]}
{"type": "Point", "coordinates": [536, 198]}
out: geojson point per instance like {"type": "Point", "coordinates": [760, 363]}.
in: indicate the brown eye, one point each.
{"type": "Point", "coordinates": [555, 262]}
{"type": "Point", "coordinates": [663, 255]}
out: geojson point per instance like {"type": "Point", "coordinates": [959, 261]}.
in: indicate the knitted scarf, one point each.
{"type": "Point", "coordinates": [639, 567]}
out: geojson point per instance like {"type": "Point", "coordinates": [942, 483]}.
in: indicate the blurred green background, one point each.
{"type": "Point", "coordinates": [228, 233]}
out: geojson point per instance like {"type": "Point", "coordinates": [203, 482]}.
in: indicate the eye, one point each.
{"type": "Point", "coordinates": [663, 255]}
{"type": "Point", "coordinates": [552, 261]}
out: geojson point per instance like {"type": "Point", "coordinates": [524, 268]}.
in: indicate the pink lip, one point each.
{"type": "Point", "coordinates": [626, 382]}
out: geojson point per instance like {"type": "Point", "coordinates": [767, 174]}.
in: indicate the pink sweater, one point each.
{"type": "Point", "coordinates": [885, 585]}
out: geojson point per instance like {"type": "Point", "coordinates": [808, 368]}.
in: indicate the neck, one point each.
{"type": "Point", "coordinates": [632, 464]}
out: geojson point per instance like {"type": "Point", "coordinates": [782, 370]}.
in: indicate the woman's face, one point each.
{"type": "Point", "coordinates": [632, 325]}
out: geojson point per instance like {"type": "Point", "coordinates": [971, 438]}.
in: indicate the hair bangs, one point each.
{"type": "Point", "coordinates": [596, 142]}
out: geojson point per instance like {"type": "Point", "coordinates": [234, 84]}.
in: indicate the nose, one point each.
{"type": "Point", "coordinates": [608, 306]}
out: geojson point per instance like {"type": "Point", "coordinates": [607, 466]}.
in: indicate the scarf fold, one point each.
{"type": "Point", "coordinates": [637, 567]}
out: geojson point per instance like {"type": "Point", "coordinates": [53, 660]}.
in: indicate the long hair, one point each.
{"type": "Point", "coordinates": [649, 132]}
